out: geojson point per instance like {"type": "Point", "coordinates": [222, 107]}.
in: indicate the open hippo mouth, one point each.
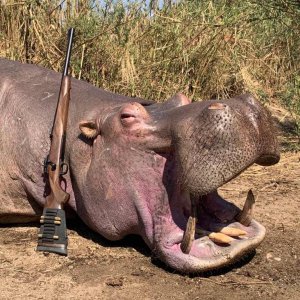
{"type": "Point", "coordinates": [217, 232]}
{"type": "Point", "coordinates": [210, 232]}
{"type": "Point", "coordinates": [214, 219]}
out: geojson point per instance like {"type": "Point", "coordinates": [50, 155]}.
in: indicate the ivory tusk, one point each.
{"type": "Point", "coordinates": [246, 215]}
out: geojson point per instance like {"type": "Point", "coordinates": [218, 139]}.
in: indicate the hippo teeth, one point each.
{"type": "Point", "coordinates": [220, 235]}
{"type": "Point", "coordinates": [224, 236]}
{"type": "Point", "coordinates": [246, 215]}
{"type": "Point", "coordinates": [217, 237]}
{"type": "Point", "coordinates": [235, 232]}
{"type": "Point", "coordinates": [189, 234]}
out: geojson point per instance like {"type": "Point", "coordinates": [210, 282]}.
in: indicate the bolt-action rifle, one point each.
{"type": "Point", "coordinates": [53, 232]}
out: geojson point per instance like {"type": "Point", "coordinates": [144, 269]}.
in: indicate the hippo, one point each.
{"type": "Point", "coordinates": [137, 166]}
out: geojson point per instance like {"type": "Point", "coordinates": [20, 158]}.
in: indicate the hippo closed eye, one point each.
{"type": "Point", "coordinates": [137, 167]}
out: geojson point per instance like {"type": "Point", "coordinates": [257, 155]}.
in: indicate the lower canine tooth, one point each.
{"type": "Point", "coordinates": [245, 216]}
{"type": "Point", "coordinates": [189, 234]}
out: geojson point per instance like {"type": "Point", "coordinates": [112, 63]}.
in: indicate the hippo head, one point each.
{"type": "Point", "coordinates": [154, 169]}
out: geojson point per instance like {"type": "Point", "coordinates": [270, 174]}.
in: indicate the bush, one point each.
{"type": "Point", "coordinates": [206, 49]}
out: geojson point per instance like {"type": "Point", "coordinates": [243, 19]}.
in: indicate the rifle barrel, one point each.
{"type": "Point", "coordinates": [68, 55]}
{"type": "Point", "coordinates": [65, 72]}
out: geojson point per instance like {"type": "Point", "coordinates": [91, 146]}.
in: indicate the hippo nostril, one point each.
{"type": "Point", "coordinates": [268, 159]}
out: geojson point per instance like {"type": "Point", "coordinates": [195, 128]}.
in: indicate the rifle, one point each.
{"type": "Point", "coordinates": [53, 232]}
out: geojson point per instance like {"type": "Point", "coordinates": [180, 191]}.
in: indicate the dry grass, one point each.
{"type": "Point", "coordinates": [206, 49]}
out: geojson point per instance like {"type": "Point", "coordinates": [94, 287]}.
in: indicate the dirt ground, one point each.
{"type": "Point", "coordinates": [99, 269]}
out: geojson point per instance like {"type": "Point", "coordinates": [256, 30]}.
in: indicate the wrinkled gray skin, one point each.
{"type": "Point", "coordinates": [133, 163]}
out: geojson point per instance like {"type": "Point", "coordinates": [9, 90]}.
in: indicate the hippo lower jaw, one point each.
{"type": "Point", "coordinates": [208, 250]}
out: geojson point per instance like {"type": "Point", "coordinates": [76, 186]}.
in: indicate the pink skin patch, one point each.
{"type": "Point", "coordinates": [217, 105]}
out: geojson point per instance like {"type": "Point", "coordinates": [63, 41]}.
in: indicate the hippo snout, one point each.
{"type": "Point", "coordinates": [262, 121]}
{"type": "Point", "coordinates": [216, 140]}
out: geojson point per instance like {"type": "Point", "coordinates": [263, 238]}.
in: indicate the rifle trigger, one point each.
{"type": "Point", "coordinates": [48, 162]}
{"type": "Point", "coordinates": [64, 168]}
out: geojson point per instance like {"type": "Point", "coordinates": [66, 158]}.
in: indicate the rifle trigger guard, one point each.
{"type": "Point", "coordinates": [64, 168]}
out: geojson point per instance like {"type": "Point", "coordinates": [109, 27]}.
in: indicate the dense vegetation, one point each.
{"type": "Point", "coordinates": [153, 48]}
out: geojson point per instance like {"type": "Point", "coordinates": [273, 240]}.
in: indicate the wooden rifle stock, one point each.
{"type": "Point", "coordinates": [53, 232]}
{"type": "Point", "coordinates": [55, 162]}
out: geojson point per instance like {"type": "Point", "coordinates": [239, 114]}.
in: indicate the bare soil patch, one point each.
{"type": "Point", "coordinates": [99, 269]}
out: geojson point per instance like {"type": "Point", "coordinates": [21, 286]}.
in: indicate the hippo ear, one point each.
{"type": "Point", "coordinates": [89, 129]}
{"type": "Point", "coordinates": [176, 101]}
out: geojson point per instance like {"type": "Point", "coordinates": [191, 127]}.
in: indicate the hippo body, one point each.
{"type": "Point", "coordinates": [134, 164]}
